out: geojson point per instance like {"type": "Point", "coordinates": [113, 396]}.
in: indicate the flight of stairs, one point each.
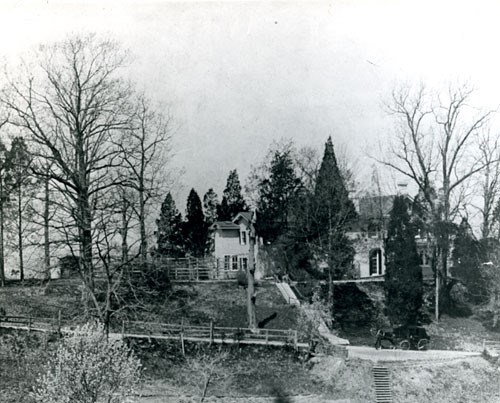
{"type": "Point", "coordinates": [288, 293]}
{"type": "Point", "coordinates": [382, 382]}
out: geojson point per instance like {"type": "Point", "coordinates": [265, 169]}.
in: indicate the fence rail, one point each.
{"type": "Point", "coordinates": [213, 333]}
{"type": "Point", "coordinates": [492, 345]}
{"type": "Point", "coordinates": [176, 331]}
{"type": "Point", "coordinates": [193, 269]}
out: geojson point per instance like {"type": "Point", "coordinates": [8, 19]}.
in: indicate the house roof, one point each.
{"type": "Point", "coordinates": [375, 206]}
{"type": "Point", "coordinates": [247, 215]}
{"type": "Point", "coordinates": [224, 225]}
{"type": "Point", "coordinates": [232, 225]}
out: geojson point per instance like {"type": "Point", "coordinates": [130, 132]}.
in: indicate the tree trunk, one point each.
{"type": "Point", "coordinates": [251, 296]}
{"type": "Point", "coordinates": [2, 266]}
{"type": "Point", "coordinates": [142, 224]}
{"type": "Point", "coordinates": [20, 232]}
{"type": "Point", "coordinates": [124, 230]}
{"type": "Point", "coordinates": [46, 235]}
{"type": "Point", "coordinates": [85, 233]}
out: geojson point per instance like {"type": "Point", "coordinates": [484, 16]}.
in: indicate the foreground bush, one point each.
{"type": "Point", "coordinates": [89, 368]}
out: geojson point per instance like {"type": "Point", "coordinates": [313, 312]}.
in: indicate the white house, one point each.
{"type": "Point", "coordinates": [231, 243]}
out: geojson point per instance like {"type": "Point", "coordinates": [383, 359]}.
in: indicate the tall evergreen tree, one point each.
{"type": "Point", "coordinates": [195, 227]}
{"type": "Point", "coordinates": [403, 278]}
{"type": "Point", "coordinates": [333, 212]}
{"type": "Point", "coordinates": [232, 200]}
{"type": "Point", "coordinates": [169, 234]}
{"type": "Point", "coordinates": [22, 186]}
{"type": "Point", "coordinates": [276, 193]}
{"type": "Point", "coordinates": [467, 256]}
{"type": "Point", "coordinates": [210, 205]}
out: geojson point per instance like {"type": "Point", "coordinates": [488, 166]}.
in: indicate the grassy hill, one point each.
{"type": "Point", "coordinates": [224, 303]}
{"type": "Point", "coordinates": [244, 373]}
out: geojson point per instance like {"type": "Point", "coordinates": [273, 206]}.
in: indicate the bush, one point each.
{"type": "Point", "coordinates": [242, 279]}
{"type": "Point", "coordinates": [69, 265]}
{"type": "Point", "coordinates": [89, 368]}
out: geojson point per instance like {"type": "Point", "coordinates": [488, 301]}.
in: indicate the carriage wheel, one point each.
{"type": "Point", "coordinates": [423, 344]}
{"type": "Point", "coordinates": [404, 345]}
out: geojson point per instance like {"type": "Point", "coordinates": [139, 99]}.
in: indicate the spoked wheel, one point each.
{"type": "Point", "coordinates": [404, 345]}
{"type": "Point", "coordinates": [423, 344]}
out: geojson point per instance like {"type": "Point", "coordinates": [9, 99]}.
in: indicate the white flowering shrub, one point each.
{"type": "Point", "coordinates": [89, 368]}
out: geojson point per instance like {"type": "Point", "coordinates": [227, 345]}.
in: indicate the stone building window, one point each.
{"type": "Point", "coordinates": [375, 262]}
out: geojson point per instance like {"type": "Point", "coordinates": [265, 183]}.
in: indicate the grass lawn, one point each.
{"type": "Point", "coordinates": [225, 305]}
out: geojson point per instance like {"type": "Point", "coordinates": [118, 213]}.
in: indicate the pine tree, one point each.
{"type": "Point", "coordinates": [21, 183]}
{"type": "Point", "coordinates": [169, 234]}
{"type": "Point", "coordinates": [332, 214]}
{"type": "Point", "coordinates": [232, 201]}
{"type": "Point", "coordinates": [210, 205]}
{"type": "Point", "coordinates": [467, 256]}
{"type": "Point", "coordinates": [403, 279]}
{"type": "Point", "coordinates": [276, 193]}
{"type": "Point", "coordinates": [195, 227]}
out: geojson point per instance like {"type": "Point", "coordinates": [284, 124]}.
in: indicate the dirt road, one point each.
{"type": "Point", "coordinates": [370, 353]}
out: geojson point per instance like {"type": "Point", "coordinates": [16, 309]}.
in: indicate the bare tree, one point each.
{"type": "Point", "coordinates": [489, 146]}
{"type": "Point", "coordinates": [145, 151]}
{"type": "Point", "coordinates": [436, 148]}
{"type": "Point", "coordinates": [72, 104]}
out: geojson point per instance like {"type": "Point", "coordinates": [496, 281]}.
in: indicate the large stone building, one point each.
{"type": "Point", "coordinates": [368, 235]}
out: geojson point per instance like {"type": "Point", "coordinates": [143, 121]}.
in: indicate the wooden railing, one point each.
{"type": "Point", "coordinates": [188, 269]}
{"type": "Point", "coordinates": [176, 331]}
{"type": "Point", "coordinates": [212, 334]}
{"type": "Point", "coordinates": [32, 323]}
{"type": "Point", "coordinates": [491, 346]}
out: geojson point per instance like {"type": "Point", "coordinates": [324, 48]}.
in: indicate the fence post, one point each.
{"type": "Point", "coordinates": [59, 321]}
{"type": "Point", "coordinates": [267, 337]}
{"type": "Point", "coordinates": [211, 332]}
{"type": "Point", "coordinates": [484, 345]}
{"type": "Point", "coordinates": [296, 340]}
{"type": "Point", "coordinates": [123, 327]}
{"type": "Point", "coordinates": [182, 338]}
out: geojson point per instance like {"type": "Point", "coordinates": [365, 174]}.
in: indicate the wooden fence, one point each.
{"type": "Point", "coordinates": [173, 331]}
{"type": "Point", "coordinates": [491, 347]}
{"type": "Point", "coordinates": [32, 323]}
{"type": "Point", "coordinates": [193, 269]}
{"type": "Point", "coordinates": [212, 334]}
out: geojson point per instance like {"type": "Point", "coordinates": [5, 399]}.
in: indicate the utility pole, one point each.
{"type": "Point", "coordinates": [251, 296]}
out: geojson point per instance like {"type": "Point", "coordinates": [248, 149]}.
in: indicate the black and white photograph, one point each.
{"type": "Point", "coordinates": [249, 201]}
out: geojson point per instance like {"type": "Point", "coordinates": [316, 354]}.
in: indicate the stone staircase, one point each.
{"type": "Point", "coordinates": [287, 293]}
{"type": "Point", "coordinates": [290, 297]}
{"type": "Point", "coordinates": [382, 383]}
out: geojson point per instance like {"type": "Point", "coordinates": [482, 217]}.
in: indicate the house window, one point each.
{"type": "Point", "coordinates": [375, 262]}
{"type": "Point", "coordinates": [227, 262]}
{"type": "Point", "coordinates": [243, 238]}
{"type": "Point", "coordinates": [243, 263]}
{"type": "Point", "coordinates": [234, 265]}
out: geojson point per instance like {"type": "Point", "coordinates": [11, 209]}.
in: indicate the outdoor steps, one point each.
{"type": "Point", "coordinates": [291, 298]}
{"type": "Point", "coordinates": [288, 294]}
{"type": "Point", "coordinates": [382, 382]}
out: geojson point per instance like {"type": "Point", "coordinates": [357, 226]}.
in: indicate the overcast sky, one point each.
{"type": "Point", "coordinates": [238, 75]}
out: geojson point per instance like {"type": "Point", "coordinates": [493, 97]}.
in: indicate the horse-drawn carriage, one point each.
{"type": "Point", "coordinates": [403, 337]}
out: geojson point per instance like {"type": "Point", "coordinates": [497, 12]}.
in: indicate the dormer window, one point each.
{"type": "Point", "coordinates": [243, 238]}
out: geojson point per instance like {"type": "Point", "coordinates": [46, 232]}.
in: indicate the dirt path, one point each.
{"type": "Point", "coordinates": [370, 353]}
